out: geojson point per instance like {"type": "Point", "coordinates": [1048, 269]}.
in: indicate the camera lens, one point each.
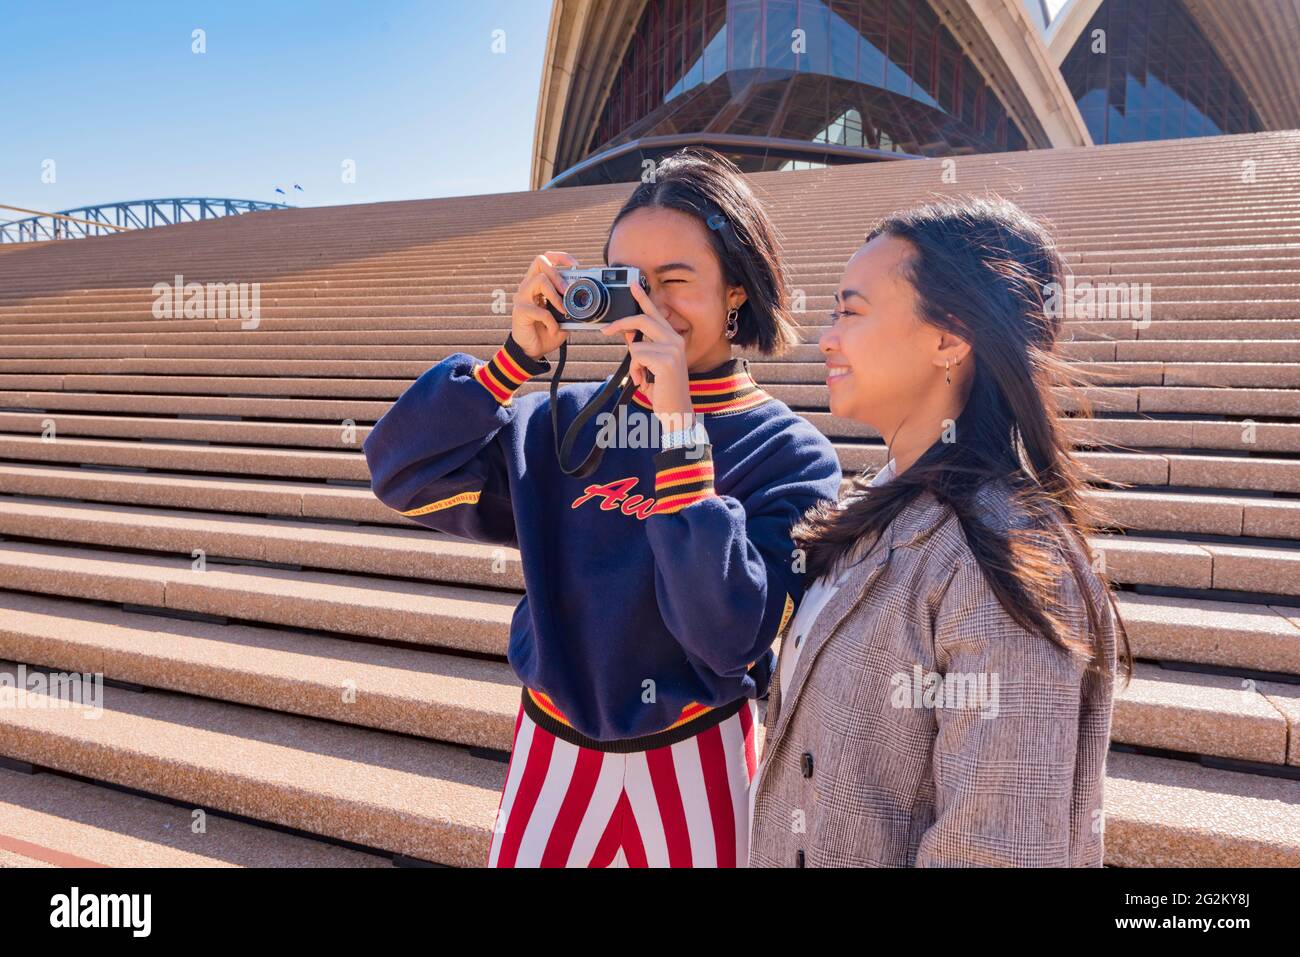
{"type": "Point", "coordinates": [586, 300]}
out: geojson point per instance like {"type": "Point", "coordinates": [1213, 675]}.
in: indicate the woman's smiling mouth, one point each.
{"type": "Point", "coordinates": [836, 372]}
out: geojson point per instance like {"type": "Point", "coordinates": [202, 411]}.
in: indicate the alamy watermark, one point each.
{"type": "Point", "coordinates": [955, 691]}
{"type": "Point", "coordinates": [635, 429]}
{"type": "Point", "coordinates": [129, 911]}
{"type": "Point", "coordinates": [1082, 299]}
{"type": "Point", "coordinates": [212, 300]}
{"type": "Point", "coordinates": [53, 689]}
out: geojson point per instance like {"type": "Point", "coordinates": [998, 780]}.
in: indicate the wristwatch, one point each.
{"type": "Point", "coordinates": [680, 438]}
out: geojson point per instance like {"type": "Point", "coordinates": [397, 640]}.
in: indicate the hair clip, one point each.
{"type": "Point", "coordinates": [716, 221]}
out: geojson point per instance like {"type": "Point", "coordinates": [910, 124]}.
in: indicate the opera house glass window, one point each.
{"type": "Point", "coordinates": [1143, 70]}
{"type": "Point", "coordinates": [880, 75]}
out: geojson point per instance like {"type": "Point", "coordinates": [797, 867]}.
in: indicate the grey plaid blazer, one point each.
{"type": "Point", "coordinates": [862, 766]}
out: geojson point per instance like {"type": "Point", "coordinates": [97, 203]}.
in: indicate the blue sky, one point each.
{"type": "Point", "coordinates": [410, 90]}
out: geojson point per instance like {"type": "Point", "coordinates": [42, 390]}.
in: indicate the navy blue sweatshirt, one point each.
{"type": "Point", "coordinates": [654, 586]}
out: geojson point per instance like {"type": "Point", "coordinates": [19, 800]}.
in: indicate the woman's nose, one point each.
{"type": "Point", "coordinates": [826, 341]}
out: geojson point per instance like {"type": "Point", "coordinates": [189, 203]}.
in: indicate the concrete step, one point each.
{"type": "Point", "coordinates": [1217, 715]}
{"type": "Point", "coordinates": [1130, 558]}
{"type": "Point", "coordinates": [414, 691]}
{"type": "Point", "coordinates": [1141, 560]}
{"type": "Point", "coordinates": [49, 820]}
{"type": "Point", "coordinates": [1237, 635]}
{"type": "Point", "coordinates": [391, 793]}
{"type": "Point", "coordinates": [1229, 515]}
{"type": "Point", "coordinates": [273, 498]}
{"type": "Point", "coordinates": [399, 552]}
{"type": "Point", "coordinates": [1170, 813]}
{"type": "Point", "coordinates": [445, 616]}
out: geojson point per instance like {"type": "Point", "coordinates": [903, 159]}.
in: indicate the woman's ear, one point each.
{"type": "Point", "coordinates": [736, 297]}
{"type": "Point", "coordinates": [952, 349]}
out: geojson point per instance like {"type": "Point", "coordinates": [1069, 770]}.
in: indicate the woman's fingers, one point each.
{"type": "Point", "coordinates": [647, 304]}
{"type": "Point", "coordinates": [553, 278]}
{"type": "Point", "coordinates": [654, 329]}
{"type": "Point", "coordinates": [549, 264]}
{"type": "Point", "coordinates": [540, 286]}
{"type": "Point", "coordinates": [561, 259]}
{"type": "Point", "coordinates": [543, 283]}
{"type": "Point", "coordinates": [653, 356]}
{"type": "Point", "coordinates": [551, 260]}
{"type": "Point", "coordinates": [651, 322]}
{"type": "Point", "coordinates": [541, 316]}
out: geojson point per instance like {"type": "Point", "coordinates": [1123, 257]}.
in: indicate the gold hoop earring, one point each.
{"type": "Point", "coordinates": [947, 376]}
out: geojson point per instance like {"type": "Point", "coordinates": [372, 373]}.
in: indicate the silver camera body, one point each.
{"type": "Point", "coordinates": [597, 296]}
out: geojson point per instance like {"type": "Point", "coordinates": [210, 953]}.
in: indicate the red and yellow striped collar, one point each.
{"type": "Point", "coordinates": [725, 388]}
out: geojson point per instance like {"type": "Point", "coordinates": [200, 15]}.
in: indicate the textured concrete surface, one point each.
{"type": "Point", "coordinates": [1165, 813]}
{"type": "Point", "coordinates": [60, 822]}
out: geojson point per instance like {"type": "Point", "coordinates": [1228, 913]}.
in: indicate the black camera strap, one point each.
{"type": "Point", "coordinates": [615, 384]}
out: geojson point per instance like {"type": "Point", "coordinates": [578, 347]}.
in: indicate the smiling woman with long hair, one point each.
{"type": "Point", "coordinates": [944, 693]}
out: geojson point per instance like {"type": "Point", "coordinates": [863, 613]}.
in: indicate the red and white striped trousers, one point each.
{"type": "Point", "coordinates": [685, 804]}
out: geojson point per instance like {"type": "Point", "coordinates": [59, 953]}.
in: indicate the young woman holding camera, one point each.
{"type": "Point", "coordinates": [656, 584]}
{"type": "Point", "coordinates": [944, 693]}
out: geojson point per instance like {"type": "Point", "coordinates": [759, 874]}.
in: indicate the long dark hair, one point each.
{"type": "Point", "coordinates": [705, 184]}
{"type": "Point", "coordinates": [981, 269]}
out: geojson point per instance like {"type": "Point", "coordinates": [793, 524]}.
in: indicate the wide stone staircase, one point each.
{"type": "Point", "coordinates": [297, 675]}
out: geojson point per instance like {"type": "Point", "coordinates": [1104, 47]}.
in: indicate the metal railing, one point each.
{"type": "Point", "coordinates": [119, 217]}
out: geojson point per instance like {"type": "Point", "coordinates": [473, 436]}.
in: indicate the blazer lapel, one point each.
{"type": "Point", "coordinates": [836, 609]}
{"type": "Point", "coordinates": [918, 518]}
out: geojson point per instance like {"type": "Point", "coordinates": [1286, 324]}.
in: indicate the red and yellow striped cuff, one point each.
{"type": "Point", "coordinates": [683, 476]}
{"type": "Point", "coordinates": [506, 371]}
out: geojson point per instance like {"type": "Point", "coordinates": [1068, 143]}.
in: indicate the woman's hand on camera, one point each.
{"type": "Point", "coordinates": [531, 324]}
{"type": "Point", "coordinates": [661, 350]}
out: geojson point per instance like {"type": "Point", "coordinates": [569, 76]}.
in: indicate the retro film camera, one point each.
{"type": "Point", "coordinates": [593, 297]}
{"type": "Point", "coordinates": [598, 295]}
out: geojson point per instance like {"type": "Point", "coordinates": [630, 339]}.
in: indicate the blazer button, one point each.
{"type": "Point", "coordinates": [798, 858]}
{"type": "Point", "coordinates": [807, 764]}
